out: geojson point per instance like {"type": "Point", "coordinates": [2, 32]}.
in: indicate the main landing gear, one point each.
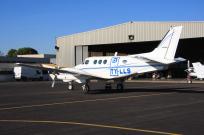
{"type": "Point", "coordinates": [108, 86]}
{"type": "Point", "coordinates": [119, 86]}
{"type": "Point", "coordinates": [85, 88]}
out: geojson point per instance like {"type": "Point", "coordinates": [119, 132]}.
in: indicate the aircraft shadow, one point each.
{"type": "Point", "coordinates": [160, 90]}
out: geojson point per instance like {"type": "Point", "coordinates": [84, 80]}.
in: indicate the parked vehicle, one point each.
{"type": "Point", "coordinates": [27, 73]}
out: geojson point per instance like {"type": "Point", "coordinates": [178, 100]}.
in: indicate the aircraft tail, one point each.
{"type": "Point", "coordinates": [166, 50]}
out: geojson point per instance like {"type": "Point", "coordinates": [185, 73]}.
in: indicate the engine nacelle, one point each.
{"type": "Point", "coordinates": [66, 77]}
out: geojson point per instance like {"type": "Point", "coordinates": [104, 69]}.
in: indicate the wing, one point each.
{"type": "Point", "coordinates": [54, 69]}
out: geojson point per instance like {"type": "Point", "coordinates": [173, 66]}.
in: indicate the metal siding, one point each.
{"type": "Point", "coordinates": [60, 43]}
{"type": "Point", "coordinates": [144, 31]}
{"type": "Point", "coordinates": [78, 51]}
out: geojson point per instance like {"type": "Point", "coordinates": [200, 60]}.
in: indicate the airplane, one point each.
{"type": "Point", "coordinates": [196, 71]}
{"type": "Point", "coordinates": [119, 68]}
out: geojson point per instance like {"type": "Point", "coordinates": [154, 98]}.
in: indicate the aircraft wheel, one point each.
{"type": "Point", "coordinates": [85, 88]}
{"type": "Point", "coordinates": [189, 81]}
{"type": "Point", "coordinates": [70, 87]}
{"type": "Point", "coordinates": [120, 87]}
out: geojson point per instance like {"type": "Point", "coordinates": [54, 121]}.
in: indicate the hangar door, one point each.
{"type": "Point", "coordinates": [81, 53]}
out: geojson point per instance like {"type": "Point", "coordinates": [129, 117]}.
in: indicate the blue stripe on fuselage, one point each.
{"type": "Point", "coordinates": [156, 65]}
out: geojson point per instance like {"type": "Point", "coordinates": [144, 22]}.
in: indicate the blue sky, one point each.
{"type": "Point", "coordinates": [36, 23]}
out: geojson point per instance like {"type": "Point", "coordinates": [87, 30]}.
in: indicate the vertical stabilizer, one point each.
{"type": "Point", "coordinates": [167, 48]}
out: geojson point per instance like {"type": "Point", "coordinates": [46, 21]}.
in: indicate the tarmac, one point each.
{"type": "Point", "coordinates": [144, 108]}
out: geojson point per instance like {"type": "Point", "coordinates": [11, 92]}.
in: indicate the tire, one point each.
{"type": "Point", "coordinates": [70, 87]}
{"type": "Point", "coordinates": [120, 87]}
{"type": "Point", "coordinates": [189, 81]}
{"type": "Point", "coordinates": [85, 89]}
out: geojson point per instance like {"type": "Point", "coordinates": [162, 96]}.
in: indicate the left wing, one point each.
{"type": "Point", "coordinates": [73, 71]}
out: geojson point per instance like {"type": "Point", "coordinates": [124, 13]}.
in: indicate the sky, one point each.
{"type": "Point", "coordinates": [37, 23]}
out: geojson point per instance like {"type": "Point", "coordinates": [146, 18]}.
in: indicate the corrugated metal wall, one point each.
{"type": "Point", "coordinates": [142, 31]}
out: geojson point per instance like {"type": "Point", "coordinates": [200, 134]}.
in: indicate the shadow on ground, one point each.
{"type": "Point", "coordinates": [160, 90]}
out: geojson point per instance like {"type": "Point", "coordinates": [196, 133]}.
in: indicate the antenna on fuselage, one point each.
{"type": "Point", "coordinates": [116, 54]}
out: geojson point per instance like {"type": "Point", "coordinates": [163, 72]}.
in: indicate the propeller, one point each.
{"type": "Point", "coordinates": [188, 70]}
{"type": "Point", "coordinates": [188, 64]}
{"type": "Point", "coordinates": [53, 82]}
{"type": "Point", "coordinates": [54, 77]}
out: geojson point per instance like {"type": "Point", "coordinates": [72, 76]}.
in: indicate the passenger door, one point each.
{"type": "Point", "coordinates": [114, 66]}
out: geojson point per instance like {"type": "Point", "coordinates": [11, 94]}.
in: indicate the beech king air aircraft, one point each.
{"type": "Point", "coordinates": [196, 71]}
{"type": "Point", "coordinates": [118, 68]}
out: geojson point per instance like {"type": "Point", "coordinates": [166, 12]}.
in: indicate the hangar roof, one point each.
{"type": "Point", "coordinates": [142, 31]}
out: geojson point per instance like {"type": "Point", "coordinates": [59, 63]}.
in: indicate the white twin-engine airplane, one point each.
{"type": "Point", "coordinates": [119, 68]}
{"type": "Point", "coordinates": [196, 71]}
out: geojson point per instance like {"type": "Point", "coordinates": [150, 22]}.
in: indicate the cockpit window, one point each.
{"type": "Point", "coordinates": [100, 61]}
{"type": "Point", "coordinates": [95, 61]}
{"type": "Point", "coordinates": [87, 62]}
{"type": "Point", "coordinates": [124, 61]}
{"type": "Point", "coordinates": [105, 61]}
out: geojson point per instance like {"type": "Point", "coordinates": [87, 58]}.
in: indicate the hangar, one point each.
{"type": "Point", "coordinates": [129, 38]}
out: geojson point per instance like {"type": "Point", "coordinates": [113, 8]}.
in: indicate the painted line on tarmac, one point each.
{"type": "Point", "coordinates": [83, 101]}
{"type": "Point", "coordinates": [90, 125]}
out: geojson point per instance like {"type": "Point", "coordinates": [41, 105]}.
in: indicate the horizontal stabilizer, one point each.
{"type": "Point", "coordinates": [164, 61]}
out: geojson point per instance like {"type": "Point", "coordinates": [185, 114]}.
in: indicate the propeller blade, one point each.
{"type": "Point", "coordinates": [53, 82]}
{"type": "Point", "coordinates": [188, 64]}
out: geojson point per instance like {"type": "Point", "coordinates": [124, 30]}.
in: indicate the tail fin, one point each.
{"type": "Point", "coordinates": [165, 51]}
{"type": "Point", "coordinates": [167, 47]}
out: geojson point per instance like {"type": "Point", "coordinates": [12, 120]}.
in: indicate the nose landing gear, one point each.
{"type": "Point", "coordinates": [70, 86]}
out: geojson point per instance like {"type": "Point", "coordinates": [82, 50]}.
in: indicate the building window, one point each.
{"type": "Point", "coordinates": [56, 48]}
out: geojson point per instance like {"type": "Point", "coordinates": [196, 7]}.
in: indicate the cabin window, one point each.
{"type": "Point", "coordinates": [100, 61]}
{"type": "Point", "coordinates": [95, 61]}
{"type": "Point", "coordinates": [124, 61]}
{"type": "Point", "coordinates": [87, 62]}
{"type": "Point", "coordinates": [105, 61]}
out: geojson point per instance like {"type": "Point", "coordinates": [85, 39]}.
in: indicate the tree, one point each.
{"type": "Point", "coordinates": [12, 53]}
{"type": "Point", "coordinates": [21, 51]}
{"type": "Point", "coordinates": [26, 50]}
